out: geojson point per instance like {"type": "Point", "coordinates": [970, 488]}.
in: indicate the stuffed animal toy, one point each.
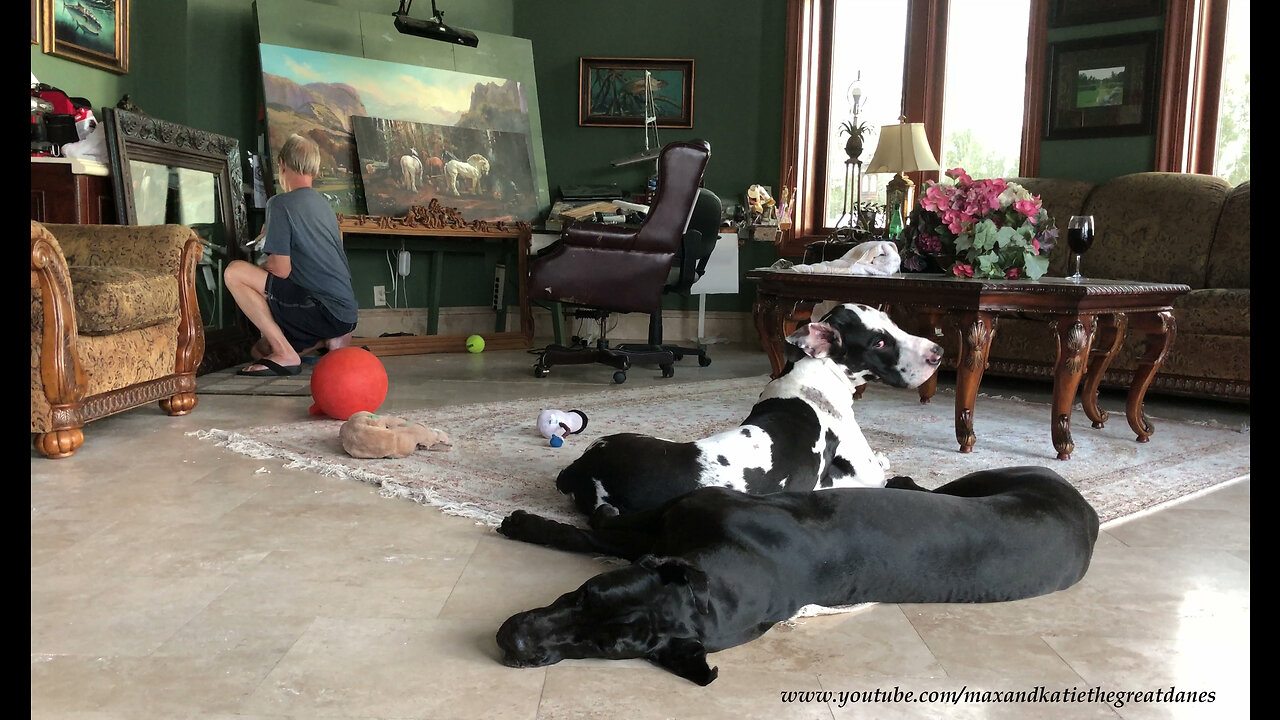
{"type": "Point", "coordinates": [365, 435]}
{"type": "Point", "coordinates": [874, 257]}
{"type": "Point", "coordinates": [555, 424]}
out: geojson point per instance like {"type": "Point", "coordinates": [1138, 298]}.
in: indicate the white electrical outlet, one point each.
{"type": "Point", "coordinates": [379, 295]}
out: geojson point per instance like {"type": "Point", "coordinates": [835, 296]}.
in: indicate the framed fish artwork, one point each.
{"type": "Point", "coordinates": [92, 32]}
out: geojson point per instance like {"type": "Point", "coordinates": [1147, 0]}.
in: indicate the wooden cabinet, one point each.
{"type": "Point", "coordinates": [72, 190]}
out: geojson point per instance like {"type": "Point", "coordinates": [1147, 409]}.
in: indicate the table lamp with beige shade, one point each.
{"type": "Point", "coordinates": [903, 148]}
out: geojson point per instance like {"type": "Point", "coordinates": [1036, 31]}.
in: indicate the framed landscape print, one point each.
{"type": "Point", "coordinates": [1102, 87]}
{"type": "Point", "coordinates": [93, 32]}
{"type": "Point", "coordinates": [1066, 13]}
{"type": "Point", "coordinates": [612, 91]}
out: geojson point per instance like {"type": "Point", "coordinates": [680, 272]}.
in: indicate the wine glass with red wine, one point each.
{"type": "Point", "coordinates": [1079, 239]}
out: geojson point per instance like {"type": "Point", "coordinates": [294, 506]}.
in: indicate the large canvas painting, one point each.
{"type": "Point", "coordinates": [485, 174]}
{"type": "Point", "coordinates": [318, 94]}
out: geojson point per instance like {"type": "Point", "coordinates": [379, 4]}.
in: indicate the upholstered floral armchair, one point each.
{"type": "Point", "coordinates": [114, 325]}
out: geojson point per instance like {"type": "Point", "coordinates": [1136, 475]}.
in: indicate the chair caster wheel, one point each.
{"type": "Point", "coordinates": [668, 370]}
{"type": "Point", "coordinates": [540, 371]}
{"type": "Point", "coordinates": [619, 377]}
{"type": "Point", "coordinates": [703, 361]}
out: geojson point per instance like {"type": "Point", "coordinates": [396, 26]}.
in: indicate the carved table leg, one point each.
{"type": "Point", "coordinates": [1160, 328]}
{"type": "Point", "coordinates": [1074, 334]}
{"type": "Point", "coordinates": [977, 329]}
{"type": "Point", "coordinates": [776, 318]}
{"type": "Point", "coordinates": [1109, 332]}
{"type": "Point", "coordinates": [929, 325]}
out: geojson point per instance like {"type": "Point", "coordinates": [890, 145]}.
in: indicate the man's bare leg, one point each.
{"type": "Point", "coordinates": [248, 286]}
{"type": "Point", "coordinates": [339, 342]}
{"type": "Point", "coordinates": [260, 348]}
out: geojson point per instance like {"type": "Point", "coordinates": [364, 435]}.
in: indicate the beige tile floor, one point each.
{"type": "Point", "coordinates": [172, 579]}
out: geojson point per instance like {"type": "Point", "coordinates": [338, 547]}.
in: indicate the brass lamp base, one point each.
{"type": "Point", "coordinates": [900, 191]}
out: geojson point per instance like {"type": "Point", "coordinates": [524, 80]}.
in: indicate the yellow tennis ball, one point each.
{"type": "Point", "coordinates": [475, 344]}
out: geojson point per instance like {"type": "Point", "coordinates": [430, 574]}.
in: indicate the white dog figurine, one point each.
{"type": "Point", "coordinates": [874, 257]}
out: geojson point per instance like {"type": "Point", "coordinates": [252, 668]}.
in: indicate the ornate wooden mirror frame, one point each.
{"type": "Point", "coordinates": [137, 138]}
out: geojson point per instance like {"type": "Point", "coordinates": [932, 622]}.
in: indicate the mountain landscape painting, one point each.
{"type": "Point", "coordinates": [317, 94]}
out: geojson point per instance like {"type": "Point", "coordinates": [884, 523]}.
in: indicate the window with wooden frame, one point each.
{"type": "Point", "coordinates": [1202, 122]}
{"type": "Point", "coordinates": [816, 96]}
{"type": "Point", "coordinates": [1203, 125]}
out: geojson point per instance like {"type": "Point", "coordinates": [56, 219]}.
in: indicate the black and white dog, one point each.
{"type": "Point", "coordinates": [718, 568]}
{"type": "Point", "coordinates": [801, 435]}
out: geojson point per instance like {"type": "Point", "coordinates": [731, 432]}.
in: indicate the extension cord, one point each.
{"type": "Point", "coordinates": [403, 268]}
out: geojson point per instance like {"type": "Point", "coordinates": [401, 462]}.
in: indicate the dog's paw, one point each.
{"type": "Point", "coordinates": [902, 482]}
{"type": "Point", "coordinates": [517, 524]}
{"type": "Point", "coordinates": [883, 460]}
{"type": "Point", "coordinates": [602, 512]}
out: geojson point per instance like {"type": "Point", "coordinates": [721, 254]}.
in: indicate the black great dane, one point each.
{"type": "Point", "coordinates": [801, 435]}
{"type": "Point", "coordinates": [717, 568]}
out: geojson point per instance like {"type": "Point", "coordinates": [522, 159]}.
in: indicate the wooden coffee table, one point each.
{"type": "Point", "coordinates": [1089, 320]}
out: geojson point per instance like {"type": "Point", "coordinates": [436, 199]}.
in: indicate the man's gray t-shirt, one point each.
{"type": "Point", "coordinates": [302, 225]}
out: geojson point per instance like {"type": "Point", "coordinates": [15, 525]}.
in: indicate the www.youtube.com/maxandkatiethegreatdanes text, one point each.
{"type": "Point", "coordinates": [1037, 694]}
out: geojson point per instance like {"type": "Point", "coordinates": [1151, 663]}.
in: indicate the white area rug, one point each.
{"type": "Point", "coordinates": [500, 463]}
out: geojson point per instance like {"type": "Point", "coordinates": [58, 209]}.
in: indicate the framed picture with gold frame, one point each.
{"type": "Point", "coordinates": [35, 22]}
{"type": "Point", "coordinates": [92, 32]}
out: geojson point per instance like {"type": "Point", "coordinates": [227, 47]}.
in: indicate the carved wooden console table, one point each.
{"type": "Point", "coordinates": [436, 221]}
{"type": "Point", "coordinates": [1089, 319]}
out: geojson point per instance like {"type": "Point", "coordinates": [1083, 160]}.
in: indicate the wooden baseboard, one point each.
{"type": "Point", "coordinates": [422, 344]}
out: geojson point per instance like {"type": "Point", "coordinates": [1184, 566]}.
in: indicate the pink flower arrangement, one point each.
{"type": "Point", "coordinates": [986, 228]}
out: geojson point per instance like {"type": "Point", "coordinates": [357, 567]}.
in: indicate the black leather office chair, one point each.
{"type": "Point", "coordinates": [600, 269]}
{"type": "Point", "coordinates": [690, 264]}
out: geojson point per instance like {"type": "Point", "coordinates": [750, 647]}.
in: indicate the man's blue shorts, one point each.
{"type": "Point", "coordinates": [303, 319]}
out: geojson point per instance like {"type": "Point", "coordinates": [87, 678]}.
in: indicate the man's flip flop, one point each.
{"type": "Point", "coordinates": [271, 369]}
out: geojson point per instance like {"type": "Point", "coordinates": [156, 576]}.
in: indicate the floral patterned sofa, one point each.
{"type": "Point", "coordinates": [1154, 227]}
{"type": "Point", "coordinates": [114, 325]}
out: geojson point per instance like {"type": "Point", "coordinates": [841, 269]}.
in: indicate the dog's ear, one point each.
{"type": "Point", "coordinates": [817, 340]}
{"type": "Point", "coordinates": [678, 570]}
{"type": "Point", "coordinates": [687, 658]}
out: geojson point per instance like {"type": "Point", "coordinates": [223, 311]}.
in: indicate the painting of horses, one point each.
{"type": "Point", "coordinates": [319, 95]}
{"type": "Point", "coordinates": [485, 174]}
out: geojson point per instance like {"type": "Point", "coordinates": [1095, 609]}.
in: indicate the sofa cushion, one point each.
{"type": "Point", "coordinates": [111, 299]}
{"type": "Point", "coordinates": [1213, 311]}
{"type": "Point", "coordinates": [1155, 226]}
{"type": "Point", "coordinates": [1229, 254]}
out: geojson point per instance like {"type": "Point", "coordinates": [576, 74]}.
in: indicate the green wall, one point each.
{"type": "Point", "coordinates": [737, 47]}
{"type": "Point", "coordinates": [1099, 159]}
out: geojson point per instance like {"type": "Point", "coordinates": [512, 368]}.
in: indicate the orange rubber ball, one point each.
{"type": "Point", "coordinates": [346, 381]}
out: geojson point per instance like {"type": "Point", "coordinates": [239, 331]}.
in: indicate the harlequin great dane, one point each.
{"type": "Point", "coordinates": [801, 435]}
{"type": "Point", "coordinates": [717, 568]}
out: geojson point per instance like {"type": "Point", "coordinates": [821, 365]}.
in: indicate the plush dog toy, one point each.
{"type": "Point", "coordinates": [555, 424]}
{"type": "Point", "coordinates": [874, 257]}
{"type": "Point", "coordinates": [365, 435]}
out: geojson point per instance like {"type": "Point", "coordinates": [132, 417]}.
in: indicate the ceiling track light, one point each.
{"type": "Point", "coordinates": [433, 29]}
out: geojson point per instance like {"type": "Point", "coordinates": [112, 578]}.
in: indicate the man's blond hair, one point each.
{"type": "Point", "coordinates": [301, 155]}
